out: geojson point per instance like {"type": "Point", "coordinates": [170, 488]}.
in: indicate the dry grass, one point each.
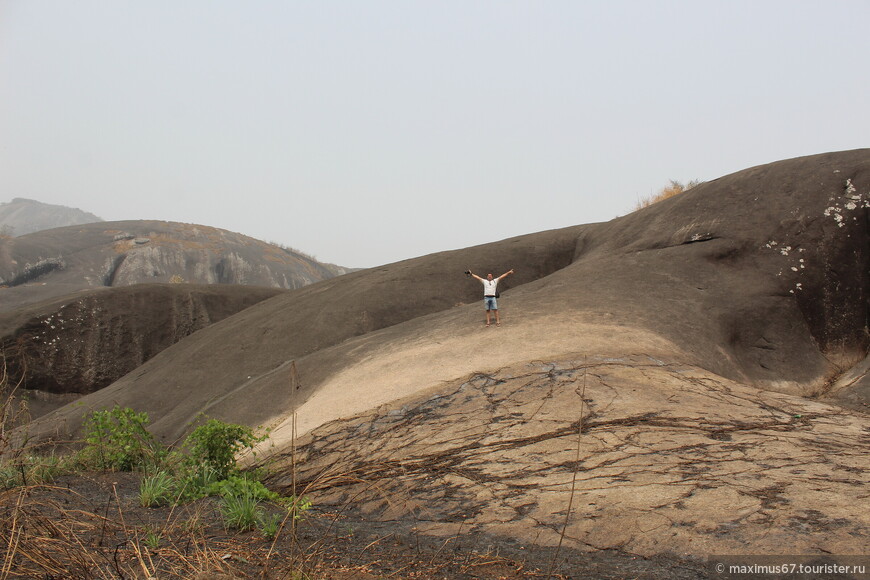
{"type": "Point", "coordinates": [90, 527]}
{"type": "Point", "coordinates": [48, 532]}
{"type": "Point", "coordinates": [673, 188]}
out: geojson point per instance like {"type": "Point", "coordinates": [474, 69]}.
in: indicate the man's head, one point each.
{"type": "Point", "coordinates": [489, 276]}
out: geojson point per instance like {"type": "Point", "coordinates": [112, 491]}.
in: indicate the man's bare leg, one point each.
{"type": "Point", "coordinates": [497, 321]}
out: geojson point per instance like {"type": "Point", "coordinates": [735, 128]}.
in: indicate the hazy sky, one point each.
{"type": "Point", "coordinates": [365, 132]}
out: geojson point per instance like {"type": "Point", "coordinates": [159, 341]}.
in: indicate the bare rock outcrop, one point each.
{"type": "Point", "coordinates": [633, 453]}
{"type": "Point", "coordinates": [752, 276]}
{"type": "Point", "coordinates": [81, 343]}
{"type": "Point", "coordinates": [690, 378]}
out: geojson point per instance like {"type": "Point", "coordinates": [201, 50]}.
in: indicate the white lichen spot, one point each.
{"type": "Point", "coordinates": [850, 189]}
{"type": "Point", "coordinates": [798, 286]}
{"type": "Point", "coordinates": [793, 269]}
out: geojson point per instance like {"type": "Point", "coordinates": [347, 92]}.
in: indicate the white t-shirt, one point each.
{"type": "Point", "coordinates": [489, 287]}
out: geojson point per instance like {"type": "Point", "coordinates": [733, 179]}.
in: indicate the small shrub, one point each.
{"type": "Point", "coordinates": [117, 439]}
{"type": "Point", "coordinates": [269, 525]}
{"type": "Point", "coordinates": [296, 505]}
{"type": "Point", "coordinates": [194, 481]}
{"type": "Point", "coordinates": [216, 443]}
{"type": "Point", "coordinates": [241, 485]}
{"type": "Point", "coordinates": [241, 504]}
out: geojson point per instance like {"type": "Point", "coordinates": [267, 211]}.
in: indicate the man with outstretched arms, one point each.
{"type": "Point", "coordinates": [489, 294]}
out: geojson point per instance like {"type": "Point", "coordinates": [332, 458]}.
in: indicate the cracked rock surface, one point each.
{"type": "Point", "coordinates": [648, 456]}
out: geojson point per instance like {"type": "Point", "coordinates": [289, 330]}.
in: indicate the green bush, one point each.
{"type": "Point", "coordinates": [209, 467]}
{"type": "Point", "coordinates": [117, 439]}
{"type": "Point", "coordinates": [194, 481]}
{"type": "Point", "coordinates": [216, 443]}
{"type": "Point", "coordinates": [245, 484]}
{"type": "Point", "coordinates": [239, 485]}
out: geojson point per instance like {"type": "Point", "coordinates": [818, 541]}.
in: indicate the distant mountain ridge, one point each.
{"type": "Point", "coordinates": [24, 216]}
{"type": "Point", "coordinates": [58, 261]}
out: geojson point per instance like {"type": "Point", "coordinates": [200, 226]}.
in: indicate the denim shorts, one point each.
{"type": "Point", "coordinates": [490, 303]}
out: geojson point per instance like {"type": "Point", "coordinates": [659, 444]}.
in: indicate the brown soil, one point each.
{"type": "Point", "coordinates": [92, 526]}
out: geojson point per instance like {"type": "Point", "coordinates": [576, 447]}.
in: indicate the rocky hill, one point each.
{"type": "Point", "coordinates": [24, 216]}
{"type": "Point", "coordinates": [60, 349]}
{"type": "Point", "coordinates": [688, 379]}
{"type": "Point", "coordinates": [53, 263]}
{"type": "Point", "coordinates": [82, 306]}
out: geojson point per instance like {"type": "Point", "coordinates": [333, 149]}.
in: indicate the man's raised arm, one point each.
{"type": "Point", "coordinates": [473, 275]}
{"type": "Point", "coordinates": [505, 274]}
